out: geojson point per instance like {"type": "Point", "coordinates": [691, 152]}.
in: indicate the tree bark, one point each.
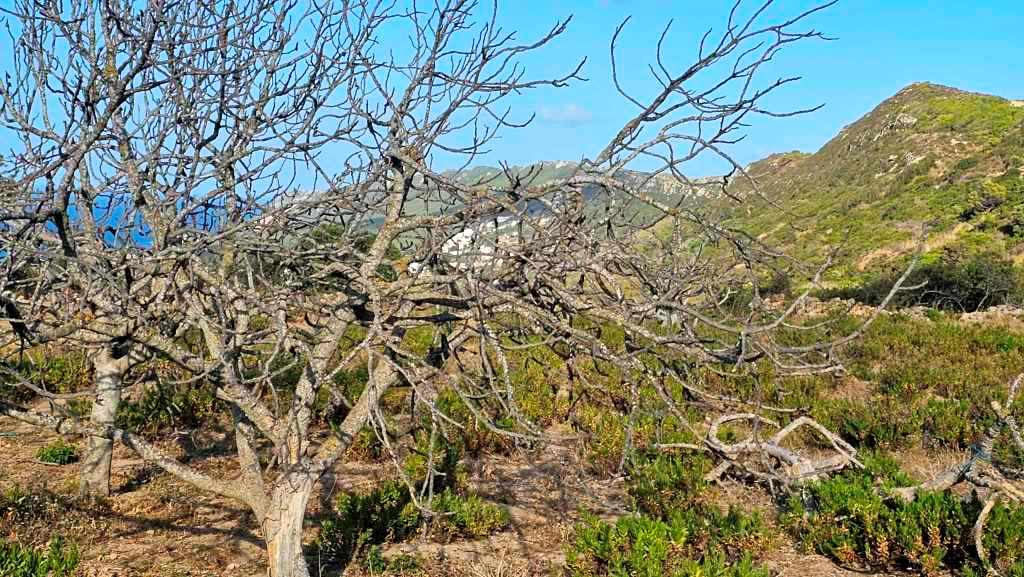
{"type": "Point", "coordinates": [95, 469]}
{"type": "Point", "coordinates": [282, 527]}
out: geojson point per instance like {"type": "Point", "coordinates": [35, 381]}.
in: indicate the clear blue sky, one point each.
{"type": "Point", "coordinates": [882, 46]}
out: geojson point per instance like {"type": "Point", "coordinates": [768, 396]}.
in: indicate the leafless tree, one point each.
{"type": "Point", "coordinates": [240, 171]}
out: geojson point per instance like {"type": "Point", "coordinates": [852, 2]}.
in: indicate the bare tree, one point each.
{"type": "Point", "coordinates": [242, 171]}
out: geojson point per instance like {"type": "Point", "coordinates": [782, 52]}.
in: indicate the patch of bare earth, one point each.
{"type": "Point", "coordinates": [932, 243]}
{"type": "Point", "coordinates": [850, 388]}
{"type": "Point", "coordinates": [545, 494]}
{"type": "Point", "coordinates": [1007, 316]}
{"type": "Point", "coordinates": [152, 524]}
{"type": "Point", "coordinates": [156, 525]}
{"type": "Point", "coordinates": [926, 464]}
{"type": "Point", "coordinates": [788, 561]}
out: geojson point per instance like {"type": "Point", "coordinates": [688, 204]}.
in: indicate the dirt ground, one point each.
{"type": "Point", "coordinates": [154, 524]}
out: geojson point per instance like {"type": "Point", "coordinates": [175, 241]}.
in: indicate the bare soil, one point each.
{"type": "Point", "coordinates": [154, 524]}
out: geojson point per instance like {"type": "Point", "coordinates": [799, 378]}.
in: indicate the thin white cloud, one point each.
{"type": "Point", "coordinates": [571, 114]}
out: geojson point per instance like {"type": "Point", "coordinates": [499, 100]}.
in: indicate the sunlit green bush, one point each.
{"type": "Point", "coordinates": [58, 559]}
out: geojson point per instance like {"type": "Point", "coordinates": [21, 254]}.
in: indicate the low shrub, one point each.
{"type": "Point", "coordinates": [165, 406]}
{"type": "Point", "coordinates": [779, 283]}
{"type": "Point", "coordinates": [684, 545]}
{"type": "Point", "coordinates": [59, 452]}
{"type": "Point", "coordinates": [58, 559]}
{"type": "Point", "coordinates": [880, 423]}
{"type": "Point", "coordinates": [850, 519]}
{"type": "Point", "coordinates": [49, 370]}
{"type": "Point", "coordinates": [10, 391]}
{"type": "Point", "coordinates": [17, 503]}
{"type": "Point", "coordinates": [603, 450]}
{"type": "Point", "coordinates": [60, 372]}
{"type": "Point", "coordinates": [467, 516]}
{"type": "Point", "coordinates": [444, 461]}
{"type": "Point", "coordinates": [676, 530]}
{"type": "Point", "coordinates": [385, 271]}
{"type": "Point", "coordinates": [366, 447]}
{"type": "Point", "coordinates": [1004, 540]}
{"type": "Point", "coordinates": [954, 280]}
{"type": "Point", "coordinates": [360, 520]}
{"type": "Point", "coordinates": [475, 437]}
{"type": "Point", "coordinates": [377, 564]}
{"type": "Point", "coordinates": [950, 424]}
{"type": "Point", "coordinates": [665, 483]}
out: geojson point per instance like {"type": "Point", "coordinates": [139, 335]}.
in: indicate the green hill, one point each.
{"type": "Point", "coordinates": [929, 157]}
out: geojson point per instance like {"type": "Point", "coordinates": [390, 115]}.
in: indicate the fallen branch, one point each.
{"type": "Point", "coordinates": [796, 468]}
{"type": "Point", "coordinates": [979, 526]}
{"type": "Point", "coordinates": [980, 470]}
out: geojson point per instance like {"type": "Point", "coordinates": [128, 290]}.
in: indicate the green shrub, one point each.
{"type": "Point", "coordinates": [377, 564]}
{"type": "Point", "coordinates": [50, 370]}
{"type": "Point", "coordinates": [360, 520]}
{"type": "Point", "coordinates": [1004, 540]}
{"type": "Point", "coordinates": [58, 559]}
{"type": "Point", "coordinates": [779, 284]}
{"type": "Point", "coordinates": [445, 462]}
{"type": "Point", "coordinates": [9, 389]}
{"type": "Point", "coordinates": [285, 371]}
{"type": "Point", "coordinates": [17, 503]}
{"type": "Point", "coordinates": [884, 422]}
{"type": "Point", "coordinates": [675, 531]}
{"type": "Point", "coordinates": [684, 545]}
{"type": "Point", "coordinates": [849, 519]}
{"type": "Point", "coordinates": [467, 516]}
{"type": "Point", "coordinates": [387, 272]}
{"type": "Point", "coordinates": [900, 419]}
{"type": "Point", "coordinates": [667, 483]}
{"type": "Point", "coordinates": [349, 383]}
{"type": "Point", "coordinates": [419, 340]}
{"type": "Point", "coordinates": [948, 423]}
{"type": "Point", "coordinates": [965, 164]}
{"type": "Point", "coordinates": [955, 281]}
{"type": "Point", "coordinates": [164, 406]}
{"type": "Point", "coordinates": [11, 498]}
{"type": "Point", "coordinates": [62, 373]}
{"type": "Point", "coordinates": [971, 113]}
{"type": "Point", "coordinates": [913, 175]}
{"type": "Point", "coordinates": [475, 438]}
{"type": "Point", "coordinates": [605, 447]}
{"type": "Point", "coordinates": [534, 377]}
{"type": "Point", "coordinates": [78, 407]}
{"type": "Point", "coordinates": [58, 452]}
{"type": "Point", "coordinates": [366, 447]}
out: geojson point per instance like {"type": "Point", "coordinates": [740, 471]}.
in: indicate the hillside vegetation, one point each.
{"type": "Point", "coordinates": [930, 157]}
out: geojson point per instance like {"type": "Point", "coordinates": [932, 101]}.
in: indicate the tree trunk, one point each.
{"type": "Point", "coordinates": [95, 470]}
{"type": "Point", "coordinates": [282, 527]}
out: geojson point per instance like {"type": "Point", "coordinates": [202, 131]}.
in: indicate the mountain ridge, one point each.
{"type": "Point", "coordinates": [930, 156]}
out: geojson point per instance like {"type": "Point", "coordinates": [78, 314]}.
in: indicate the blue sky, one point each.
{"type": "Point", "coordinates": [882, 46]}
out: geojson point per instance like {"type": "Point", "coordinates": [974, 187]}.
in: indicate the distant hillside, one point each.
{"type": "Point", "coordinates": [539, 173]}
{"type": "Point", "coordinates": [661, 186]}
{"type": "Point", "coordinates": [929, 155]}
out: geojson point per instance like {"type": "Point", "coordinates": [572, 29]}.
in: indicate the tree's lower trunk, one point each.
{"type": "Point", "coordinates": [95, 470]}
{"type": "Point", "coordinates": [283, 528]}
